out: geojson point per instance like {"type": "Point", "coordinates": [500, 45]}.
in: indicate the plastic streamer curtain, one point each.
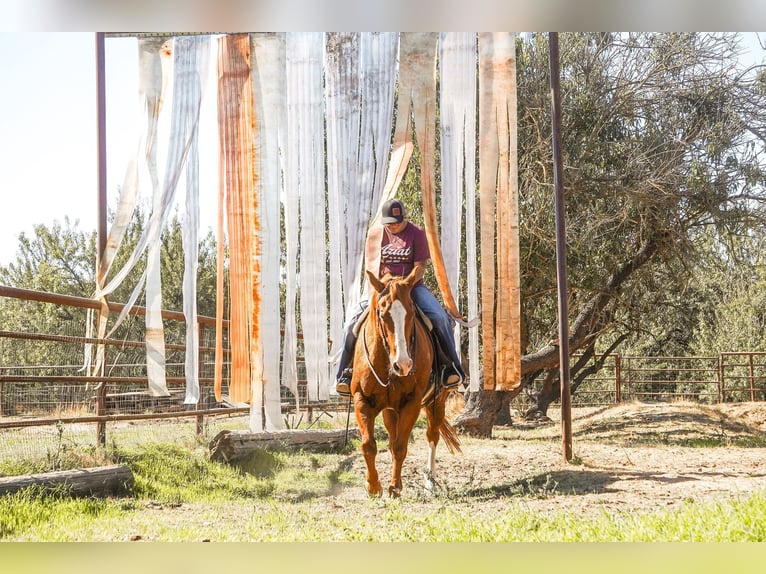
{"type": "Point", "coordinates": [272, 93]}
{"type": "Point", "coordinates": [499, 211]}
{"type": "Point", "coordinates": [457, 58]}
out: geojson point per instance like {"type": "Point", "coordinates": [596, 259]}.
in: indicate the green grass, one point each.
{"type": "Point", "coordinates": [179, 495]}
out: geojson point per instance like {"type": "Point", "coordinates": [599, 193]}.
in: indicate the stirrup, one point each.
{"type": "Point", "coordinates": [453, 380]}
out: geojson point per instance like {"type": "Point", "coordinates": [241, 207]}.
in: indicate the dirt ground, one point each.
{"type": "Point", "coordinates": [625, 457]}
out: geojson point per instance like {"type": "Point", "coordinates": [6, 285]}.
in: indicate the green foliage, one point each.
{"type": "Point", "coordinates": [657, 149]}
{"type": "Point", "coordinates": [61, 259]}
{"type": "Point", "coordinates": [734, 314]}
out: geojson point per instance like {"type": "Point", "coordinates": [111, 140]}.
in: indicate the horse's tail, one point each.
{"type": "Point", "coordinates": [450, 437]}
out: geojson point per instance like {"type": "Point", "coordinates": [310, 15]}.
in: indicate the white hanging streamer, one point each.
{"type": "Point", "coordinates": [268, 70]}
{"type": "Point", "coordinates": [195, 49]}
{"type": "Point", "coordinates": [152, 84]}
{"type": "Point", "coordinates": [458, 160]}
{"type": "Point", "coordinates": [343, 194]}
{"type": "Point", "coordinates": [305, 114]}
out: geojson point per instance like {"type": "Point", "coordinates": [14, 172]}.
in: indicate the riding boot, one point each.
{"type": "Point", "coordinates": [343, 383]}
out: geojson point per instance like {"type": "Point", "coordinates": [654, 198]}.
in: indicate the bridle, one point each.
{"type": "Point", "coordinates": [384, 340]}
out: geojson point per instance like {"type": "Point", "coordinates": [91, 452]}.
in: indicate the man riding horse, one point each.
{"type": "Point", "coordinates": [404, 248]}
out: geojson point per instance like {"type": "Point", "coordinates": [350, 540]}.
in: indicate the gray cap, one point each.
{"type": "Point", "coordinates": [393, 211]}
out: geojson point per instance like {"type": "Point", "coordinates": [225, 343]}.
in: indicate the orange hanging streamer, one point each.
{"type": "Point", "coordinates": [498, 190]}
{"type": "Point", "coordinates": [236, 130]}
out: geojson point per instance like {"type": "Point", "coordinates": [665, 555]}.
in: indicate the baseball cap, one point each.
{"type": "Point", "coordinates": [392, 211]}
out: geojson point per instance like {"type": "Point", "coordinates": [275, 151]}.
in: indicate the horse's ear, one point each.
{"type": "Point", "coordinates": [376, 283]}
{"type": "Point", "coordinates": [411, 279]}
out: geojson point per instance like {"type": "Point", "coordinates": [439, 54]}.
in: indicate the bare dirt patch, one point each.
{"type": "Point", "coordinates": [626, 457]}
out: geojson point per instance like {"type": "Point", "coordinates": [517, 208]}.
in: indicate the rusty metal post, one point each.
{"type": "Point", "coordinates": [101, 221]}
{"type": "Point", "coordinates": [561, 261]}
{"type": "Point", "coordinates": [721, 379]}
{"type": "Point", "coordinates": [101, 129]}
{"type": "Point", "coordinates": [200, 425]}
{"type": "Point", "coordinates": [752, 378]}
{"type": "Point", "coordinates": [618, 378]}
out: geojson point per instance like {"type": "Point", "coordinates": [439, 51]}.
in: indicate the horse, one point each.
{"type": "Point", "coordinates": [393, 360]}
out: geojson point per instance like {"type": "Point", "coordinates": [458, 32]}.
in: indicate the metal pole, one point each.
{"type": "Point", "coordinates": [101, 129]}
{"type": "Point", "coordinates": [101, 221]}
{"type": "Point", "coordinates": [561, 261]}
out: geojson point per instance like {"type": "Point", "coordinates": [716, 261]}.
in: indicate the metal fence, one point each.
{"type": "Point", "coordinates": [43, 383]}
{"type": "Point", "coordinates": [728, 377]}
{"type": "Point", "coordinates": [46, 392]}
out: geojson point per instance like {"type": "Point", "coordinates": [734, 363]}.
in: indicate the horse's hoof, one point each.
{"type": "Point", "coordinates": [374, 490]}
{"type": "Point", "coordinates": [394, 492]}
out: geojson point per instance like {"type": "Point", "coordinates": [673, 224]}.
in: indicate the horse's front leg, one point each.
{"type": "Point", "coordinates": [391, 420]}
{"type": "Point", "coordinates": [398, 441]}
{"type": "Point", "coordinates": [365, 418]}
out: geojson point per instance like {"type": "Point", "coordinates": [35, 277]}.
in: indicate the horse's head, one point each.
{"type": "Point", "coordinates": [393, 310]}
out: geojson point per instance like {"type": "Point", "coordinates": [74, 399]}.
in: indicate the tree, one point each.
{"type": "Point", "coordinates": [663, 158]}
{"type": "Point", "coordinates": [61, 259]}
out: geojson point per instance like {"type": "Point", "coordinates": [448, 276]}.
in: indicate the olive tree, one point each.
{"type": "Point", "coordinates": [663, 153]}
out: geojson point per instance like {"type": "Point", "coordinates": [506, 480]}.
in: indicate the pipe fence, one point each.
{"type": "Point", "coordinates": [46, 389]}
{"type": "Point", "coordinates": [49, 398]}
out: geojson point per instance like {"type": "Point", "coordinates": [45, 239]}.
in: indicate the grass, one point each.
{"type": "Point", "coordinates": [179, 495]}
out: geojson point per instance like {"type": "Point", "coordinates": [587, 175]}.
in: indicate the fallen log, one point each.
{"type": "Point", "coordinates": [100, 480]}
{"type": "Point", "coordinates": [232, 445]}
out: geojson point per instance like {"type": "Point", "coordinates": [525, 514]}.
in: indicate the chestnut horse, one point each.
{"type": "Point", "coordinates": [391, 374]}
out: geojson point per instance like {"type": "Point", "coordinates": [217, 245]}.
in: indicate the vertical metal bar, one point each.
{"type": "Point", "coordinates": [200, 425]}
{"type": "Point", "coordinates": [721, 378]}
{"type": "Point", "coordinates": [101, 171]}
{"type": "Point", "coordinates": [752, 378]}
{"type": "Point", "coordinates": [618, 377]}
{"type": "Point", "coordinates": [561, 262]}
{"type": "Point", "coordinates": [101, 129]}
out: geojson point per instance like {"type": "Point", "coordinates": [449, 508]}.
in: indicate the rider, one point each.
{"type": "Point", "coordinates": [404, 248]}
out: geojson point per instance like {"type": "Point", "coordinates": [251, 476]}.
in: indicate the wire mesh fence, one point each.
{"type": "Point", "coordinates": [52, 405]}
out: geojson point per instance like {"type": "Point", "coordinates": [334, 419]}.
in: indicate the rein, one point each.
{"type": "Point", "coordinates": [413, 340]}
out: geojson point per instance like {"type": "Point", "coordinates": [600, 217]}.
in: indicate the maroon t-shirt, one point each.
{"type": "Point", "coordinates": [399, 252]}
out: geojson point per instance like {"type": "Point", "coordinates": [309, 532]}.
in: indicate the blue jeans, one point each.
{"type": "Point", "coordinates": [440, 320]}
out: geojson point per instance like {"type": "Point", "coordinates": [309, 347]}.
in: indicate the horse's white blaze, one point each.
{"type": "Point", "coordinates": [398, 313]}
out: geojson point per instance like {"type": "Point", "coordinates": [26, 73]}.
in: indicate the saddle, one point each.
{"type": "Point", "coordinates": [441, 360]}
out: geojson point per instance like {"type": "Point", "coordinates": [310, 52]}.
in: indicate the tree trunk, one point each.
{"type": "Point", "coordinates": [551, 386]}
{"type": "Point", "coordinates": [482, 408]}
{"type": "Point", "coordinates": [98, 481]}
{"type": "Point", "coordinates": [231, 446]}
{"type": "Point", "coordinates": [481, 411]}
{"type": "Point", "coordinates": [551, 390]}
{"type": "Point", "coordinates": [503, 417]}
